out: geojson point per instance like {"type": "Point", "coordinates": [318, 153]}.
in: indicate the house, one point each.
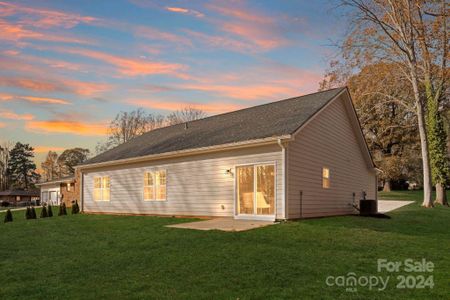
{"type": "Point", "coordinates": [19, 198]}
{"type": "Point", "coordinates": [296, 158]}
{"type": "Point", "coordinates": [61, 189]}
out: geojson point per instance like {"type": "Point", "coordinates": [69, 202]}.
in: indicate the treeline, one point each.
{"type": "Point", "coordinates": [54, 166]}
{"type": "Point", "coordinates": [18, 170]}
{"type": "Point", "coordinates": [394, 61]}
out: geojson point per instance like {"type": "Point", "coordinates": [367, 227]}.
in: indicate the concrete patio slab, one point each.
{"type": "Point", "coordinates": [385, 206]}
{"type": "Point", "coordinates": [224, 224]}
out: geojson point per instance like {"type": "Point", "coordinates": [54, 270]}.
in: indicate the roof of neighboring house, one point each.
{"type": "Point", "coordinates": [263, 121]}
{"type": "Point", "coordinates": [58, 180]}
{"type": "Point", "coordinates": [32, 193]}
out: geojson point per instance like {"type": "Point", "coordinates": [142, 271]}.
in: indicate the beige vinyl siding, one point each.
{"type": "Point", "coordinates": [329, 140]}
{"type": "Point", "coordinates": [196, 185]}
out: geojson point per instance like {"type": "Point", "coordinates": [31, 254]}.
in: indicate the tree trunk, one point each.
{"type": "Point", "coordinates": [427, 201]}
{"type": "Point", "coordinates": [441, 196]}
{"type": "Point", "coordinates": [387, 186]}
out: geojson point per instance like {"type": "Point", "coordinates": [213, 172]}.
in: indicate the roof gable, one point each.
{"type": "Point", "coordinates": [268, 120]}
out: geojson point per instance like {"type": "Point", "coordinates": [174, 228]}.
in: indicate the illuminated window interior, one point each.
{"type": "Point", "coordinates": [155, 185]}
{"type": "Point", "coordinates": [325, 178]}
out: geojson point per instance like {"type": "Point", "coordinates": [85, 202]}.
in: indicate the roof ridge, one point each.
{"type": "Point", "coordinates": [242, 109]}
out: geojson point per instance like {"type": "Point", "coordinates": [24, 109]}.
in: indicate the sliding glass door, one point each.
{"type": "Point", "coordinates": [255, 188]}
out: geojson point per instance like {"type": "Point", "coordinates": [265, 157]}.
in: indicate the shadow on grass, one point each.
{"type": "Point", "coordinates": [412, 220]}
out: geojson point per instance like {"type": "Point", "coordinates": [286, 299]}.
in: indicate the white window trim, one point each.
{"type": "Point", "coordinates": [101, 189]}
{"type": "Point", "coordinates": [153, 172]}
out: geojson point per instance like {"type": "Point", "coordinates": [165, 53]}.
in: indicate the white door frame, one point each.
{"type": "Point", "coordinates": [255, 216]}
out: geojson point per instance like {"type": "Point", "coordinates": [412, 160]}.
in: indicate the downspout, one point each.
{"type": "Point", "coordinates": [82, 191]}
{"type": "Point", "coordinates": [283, 182]}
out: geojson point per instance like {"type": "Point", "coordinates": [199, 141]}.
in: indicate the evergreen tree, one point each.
{"type": "Point", "coordinates": [28, 213]}
{"type": "Point", "coordinates": [8, 216]}
{"type": "Point", "coordinates": [437, 138]}
{"type": "Point", "coordinates": [44, 212]}
{"type": "Point", "coordinates": [75, 208]}
{"type": "Point", "coordinates": [21, 168]}
{"type": "Point", "coordinates": [62, 209]}
{"type": "Point", "coordinates": [50, 211]}
{"type": "Point", "coordinates": [33, 213]}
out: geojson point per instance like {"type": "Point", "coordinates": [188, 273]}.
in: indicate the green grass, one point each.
{"type": "Point", "coordinates": [117, 257]}
{"type": "Point", "coordinates": [405, 195]}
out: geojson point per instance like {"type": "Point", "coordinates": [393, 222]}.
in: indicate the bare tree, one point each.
{"type": "Point", "coordinates": [184, 115]}
{"type": "Point", "coordinates": [127, 125]}
{"type": "Point", "coordinates": [411, 34]}
{"type": "Point", "coordinates": [50, 166]}
{"type": "Point", "coordinates": [4, 160]}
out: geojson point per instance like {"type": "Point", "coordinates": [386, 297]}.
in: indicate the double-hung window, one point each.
{"type": "Point", "coordinates": [101, 188]}
{"type": "Point", "coordinates": [155, 185]}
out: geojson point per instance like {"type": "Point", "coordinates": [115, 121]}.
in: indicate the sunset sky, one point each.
{"type": "Point", "coordinates": [68, 67]}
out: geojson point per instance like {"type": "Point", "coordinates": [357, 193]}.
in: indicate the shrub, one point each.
{"type": "Point", "coordinates": [8, 216]}
{"type": "Point", "coordinates": [33, 213]}
{"type": "Point", "coordinates": [28, 213]}
{"type": "Point", "coordinates": [44, 212]}
{"type": "Point", "coordinates": [62, 209]}
{"type": "Point", "coordinates": [50, 211]}
{"type": "Point", "coordinates": [75, 208]}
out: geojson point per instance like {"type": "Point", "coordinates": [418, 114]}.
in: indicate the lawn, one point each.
{"type": "Point", "coordinates": [405, 195]}
{"type": "Point", "coordinates": [117, 257]}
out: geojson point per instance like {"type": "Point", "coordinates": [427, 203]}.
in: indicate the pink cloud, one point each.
{"type": "Point", "coordinates": [44, 18]}
{"type": "Point", "coordinates": [221, 41]}
{"type": "Point", "coordinates": [128, 66]}
{"type": "Point", "coordinates": [256, 28]}
{"type": "Point", "coordinates": [154, 34]}
{"type": "Point", "coordinates": [6, 114]}
{"type": "Point", "coordinates": [185, 11]}
{"type": "Point", "coordinates": [16, 33]}
{"type": "Point", "coordinates": [70, 127]}
{"type": "Point", "coordinates": [242, 92]}
{"type": "Point", "coordinates": [45, 100]}
{"type": "Point", "coordinates": [61, 85]}
{"type": "Point", "coordinates": [212, 108]}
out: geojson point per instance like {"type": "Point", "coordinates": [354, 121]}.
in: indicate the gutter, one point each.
{"type": "Point", "coordinates": [188, 152]}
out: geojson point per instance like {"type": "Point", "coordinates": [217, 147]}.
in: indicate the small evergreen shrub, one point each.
{"type": "Point", "coordinates": [33, 213]}
{"type": "Point", "coordinates": [50, 211]}
{"type": "Point", "coordinates": [75, 208]}
{"type": "Point", "coordinates": [28, 213]}
{"type": "Point", "coordinates": [62, 209]}
{"type": "Point", "coordinates": [44, 212]}
{"type": "Point", "coordinates": [8, 216]}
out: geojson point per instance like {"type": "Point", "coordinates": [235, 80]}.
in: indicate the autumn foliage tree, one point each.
{"type": "Point", "coordinates": [380, 94]}
{"type": "Point", "coordinates": [411, 35]}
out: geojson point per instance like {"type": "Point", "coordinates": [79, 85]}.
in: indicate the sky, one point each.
{"type": "Point", "coordinates": [68, 67]}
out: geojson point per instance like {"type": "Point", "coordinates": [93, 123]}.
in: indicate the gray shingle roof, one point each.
{"type": "Point", "coordinates": [32, 193]}
{"type": "Point", "coordinates": [262, 121]}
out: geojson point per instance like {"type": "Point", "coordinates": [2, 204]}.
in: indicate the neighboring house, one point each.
{"type": "Point", "coordinates": [296, 158]}
{"type": "Point", "coordinates": [17, 197]}
{"type": "Point", "coordinates": [62, 189]}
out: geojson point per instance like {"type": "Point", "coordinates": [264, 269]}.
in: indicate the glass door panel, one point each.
{"type": "Point", "coordinates": [265, 190]}
{"type": "Point", "coordinates": [245, 189]}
